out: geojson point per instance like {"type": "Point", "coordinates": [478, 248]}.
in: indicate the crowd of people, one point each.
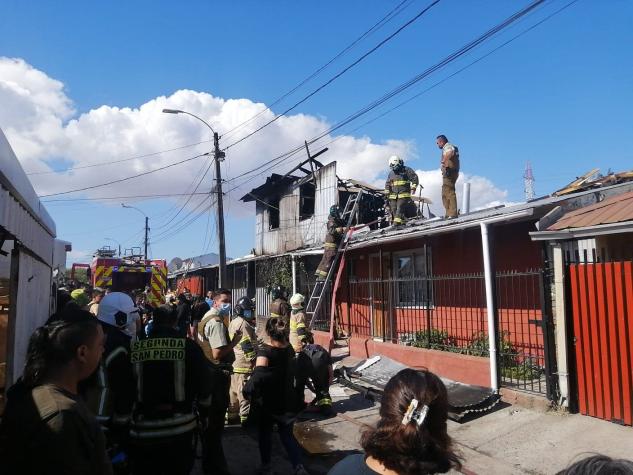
{"type": "Point", "coordinates": [112, 384]}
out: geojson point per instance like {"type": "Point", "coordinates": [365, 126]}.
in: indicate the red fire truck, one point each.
{"type": "Point", "coordinates": [128, 273]}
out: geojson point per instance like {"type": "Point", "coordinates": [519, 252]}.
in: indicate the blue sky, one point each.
{"type": "Point", "coordinates": [559, 96]}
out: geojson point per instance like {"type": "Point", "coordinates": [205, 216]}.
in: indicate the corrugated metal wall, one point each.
{"type": "Point", "coordinates": [19, 222]}
{"type": "Point", "coordinates": [294, 233]}
{"type": "Point", "coordinates": [32, 291]}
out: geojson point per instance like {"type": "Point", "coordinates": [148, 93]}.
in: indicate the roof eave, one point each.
{"type": "Point", "coordinates": [584, 232]}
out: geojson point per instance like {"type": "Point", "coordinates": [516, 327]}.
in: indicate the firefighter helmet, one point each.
{"type": "Point", "coordinates": [296, 301]}
{"type": "Point", "coordinates": [244, 307]}
{"type": "Point", "coordinates": [279, 292]}
{"type": "Point", "coordinates": [335, 211]}
{"type": "Point", "coordinates": [395, 162]}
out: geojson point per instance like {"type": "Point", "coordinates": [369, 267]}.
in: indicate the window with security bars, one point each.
{"type": "Point", "coordinates": [412, 274]}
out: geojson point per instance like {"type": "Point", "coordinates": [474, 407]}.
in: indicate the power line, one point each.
{"type": "Point", "coordinates": [112, 162]}
{"type": "Point", "coordinates": [100, 198]}
{"type": "Point", "coordinates": [404, 86]}
{"type": "Point", "coordinates": [336, 76]}
{"type": "Point", "coordinates": [122, 179]}
{"type": "Point", "coordinates": [167, 221]}
{"type": "Point", "coordinates": [383, 21]}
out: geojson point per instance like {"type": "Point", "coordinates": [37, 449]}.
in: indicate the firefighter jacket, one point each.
{"type": "Point", "coordinates": [279, 308]}
{"type": "Point", "coordinates": [246, 349]}
{"type": "Point", "coordinates": [110, 391]}
{"type": "Point", "coordinates": [171, 374]}
{"type": "Point", "coordinates": [213, 333]}
{"type": "Point", "coordinates": [297, 329]}
{"type": "Point", "coordinates": [335, 231]}
{"type": "Point", "coordinates": [401, 184]}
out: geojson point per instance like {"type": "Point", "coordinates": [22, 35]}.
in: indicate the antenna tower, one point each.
{"type": "Point", "coordinates": [528, 180]}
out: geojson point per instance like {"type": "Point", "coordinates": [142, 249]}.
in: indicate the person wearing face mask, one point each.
{"type": "Point", "coordinates": [213, 337]}
{"type": "Point", "coordinates": [245, 353]}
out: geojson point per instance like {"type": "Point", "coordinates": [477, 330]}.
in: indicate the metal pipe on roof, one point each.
{"type": "Point", "coordinates": [490, 306]}
{"type": "Point", "coordinates": [466, 198]}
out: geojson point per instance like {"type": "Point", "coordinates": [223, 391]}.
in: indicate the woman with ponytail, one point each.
{"type": "Point", "coordinates": [46, 428]}
{"type": "Point", "coordinates": [411, 436]}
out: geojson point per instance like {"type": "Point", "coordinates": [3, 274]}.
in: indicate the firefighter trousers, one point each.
{"type": "Point", "coordinates": [449, 198]}
{"type": "Point", "coordinates": [326, 262]}
{"type": "Point", "coordinates": [402, 209]}
{"type": "Point", "coordinates": [239, 404]}
{"type": "Point", "coordinates": [168, 456]}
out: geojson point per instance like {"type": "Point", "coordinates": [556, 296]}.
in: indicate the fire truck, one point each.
{"type": "Point", "coordinates": [128, 273]}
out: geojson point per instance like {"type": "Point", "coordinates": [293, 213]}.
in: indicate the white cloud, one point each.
{"type": "Point", "coordinates": [483, 193]}
{"type": "Point", "coordinates": [41, 125]}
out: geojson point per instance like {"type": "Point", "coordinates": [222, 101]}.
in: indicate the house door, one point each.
{"type": "Point", "coordinates": [380, 295]}
{"type": "Point", "coordinates": [601, 297]}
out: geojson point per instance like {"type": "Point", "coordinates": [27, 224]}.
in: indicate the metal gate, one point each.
{"type": "Point", "coordinates": [601, 297]}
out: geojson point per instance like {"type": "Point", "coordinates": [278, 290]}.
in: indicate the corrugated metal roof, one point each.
{"type": "Point", "coordinates": [420, 227]}
{"type": "Point", "coordinates": [615, 209]}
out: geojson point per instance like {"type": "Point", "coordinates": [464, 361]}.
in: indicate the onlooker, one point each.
{"type": "Point", "coordinates": [411, 436]}
{"type": "Point", "coordinates": [93, 305]}
{"type": "Point", "coordinates": [275, 395]}
{"type": "Point", "coordinates": [80, 297]}
{"type": "Point", "coordinates": [599, 465]}
{"type": "Point", "coordinates": [46, 428]}
{"type": "Point", "coordinates": [198, 311]}
{"type": "Point", "coordinates": [210, 296]}
{"type": "Point", "coordinates": [183, 313]}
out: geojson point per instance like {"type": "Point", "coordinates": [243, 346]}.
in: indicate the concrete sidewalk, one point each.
{"type": "Point", "coordinates": [510, 440]}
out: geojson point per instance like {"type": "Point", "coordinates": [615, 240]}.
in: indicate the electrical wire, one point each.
{"type": "Point", "coordinates": [140, 197]}
{"type": "Point", "coordinates": [112, 162]}
{"type": "Point", "coordinates": [336, 76]}
{"type": "Point", "coordinates": [404, 86]}
{"type": "Point", "coordinates": [382, 22]}
{"type": "Point", "coordinates": [123, 179]}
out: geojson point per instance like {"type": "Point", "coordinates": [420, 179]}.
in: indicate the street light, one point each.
{"type": "Point", "coordinates": [146, 225]}
{"type": "Point", "coordinates": [118, 243]}
{"type": "Point", "coordinates": [218, 156]}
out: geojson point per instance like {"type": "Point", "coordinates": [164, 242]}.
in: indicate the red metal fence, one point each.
{"type": "Point", "coordinates": [448, 313]}
{"type": "Point", "coordinates": [602, 306]}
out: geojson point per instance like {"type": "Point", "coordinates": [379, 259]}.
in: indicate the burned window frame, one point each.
{"type": "Point", "coordinates": [307, 210]}
{"type": "Point", "coordinates": [273, 207]}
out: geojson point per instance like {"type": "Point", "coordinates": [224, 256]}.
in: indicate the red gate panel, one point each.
{"type": "Point", "coordinates": [602, 306]}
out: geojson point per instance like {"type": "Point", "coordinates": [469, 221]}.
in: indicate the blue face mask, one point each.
{"type": "Point", "coordinates": [225, 308]}
{"type": "Point", "coordinates": [248, 314]}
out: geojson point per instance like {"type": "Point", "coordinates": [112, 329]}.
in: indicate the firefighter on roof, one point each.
{"type": "Point", "coordinates": [297, 322]}
{"type": "Point", "coordinates": [335, 231]}
{"type": "Point", "coordinates": [171, 374]}
{"type": "Point", "coordinates": [245, 353]}
{"type": "Point", "coordinates": [401, 185]}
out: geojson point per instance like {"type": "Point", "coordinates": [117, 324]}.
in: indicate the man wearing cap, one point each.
{"type": "Point", "coordinates": [213, 337]}
{"type": "Point", "coordinates": [93, 305]}
{"type": "Point", "coordinates": [112, 396]}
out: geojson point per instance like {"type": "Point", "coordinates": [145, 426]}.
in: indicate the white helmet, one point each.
{"type": "Point", "coordinates": [395, 161]}
{"type": "Point", "coordinates": [296, 301]}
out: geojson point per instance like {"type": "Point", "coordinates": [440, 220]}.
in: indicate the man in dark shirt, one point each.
{"type": "Point", "coordinates": [183, 313]}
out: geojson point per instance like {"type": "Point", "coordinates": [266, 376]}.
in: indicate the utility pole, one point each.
{"type": "Point", "coordinates": [218, 156]}
{"type": "Point", "coordinates": [146, 234]}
